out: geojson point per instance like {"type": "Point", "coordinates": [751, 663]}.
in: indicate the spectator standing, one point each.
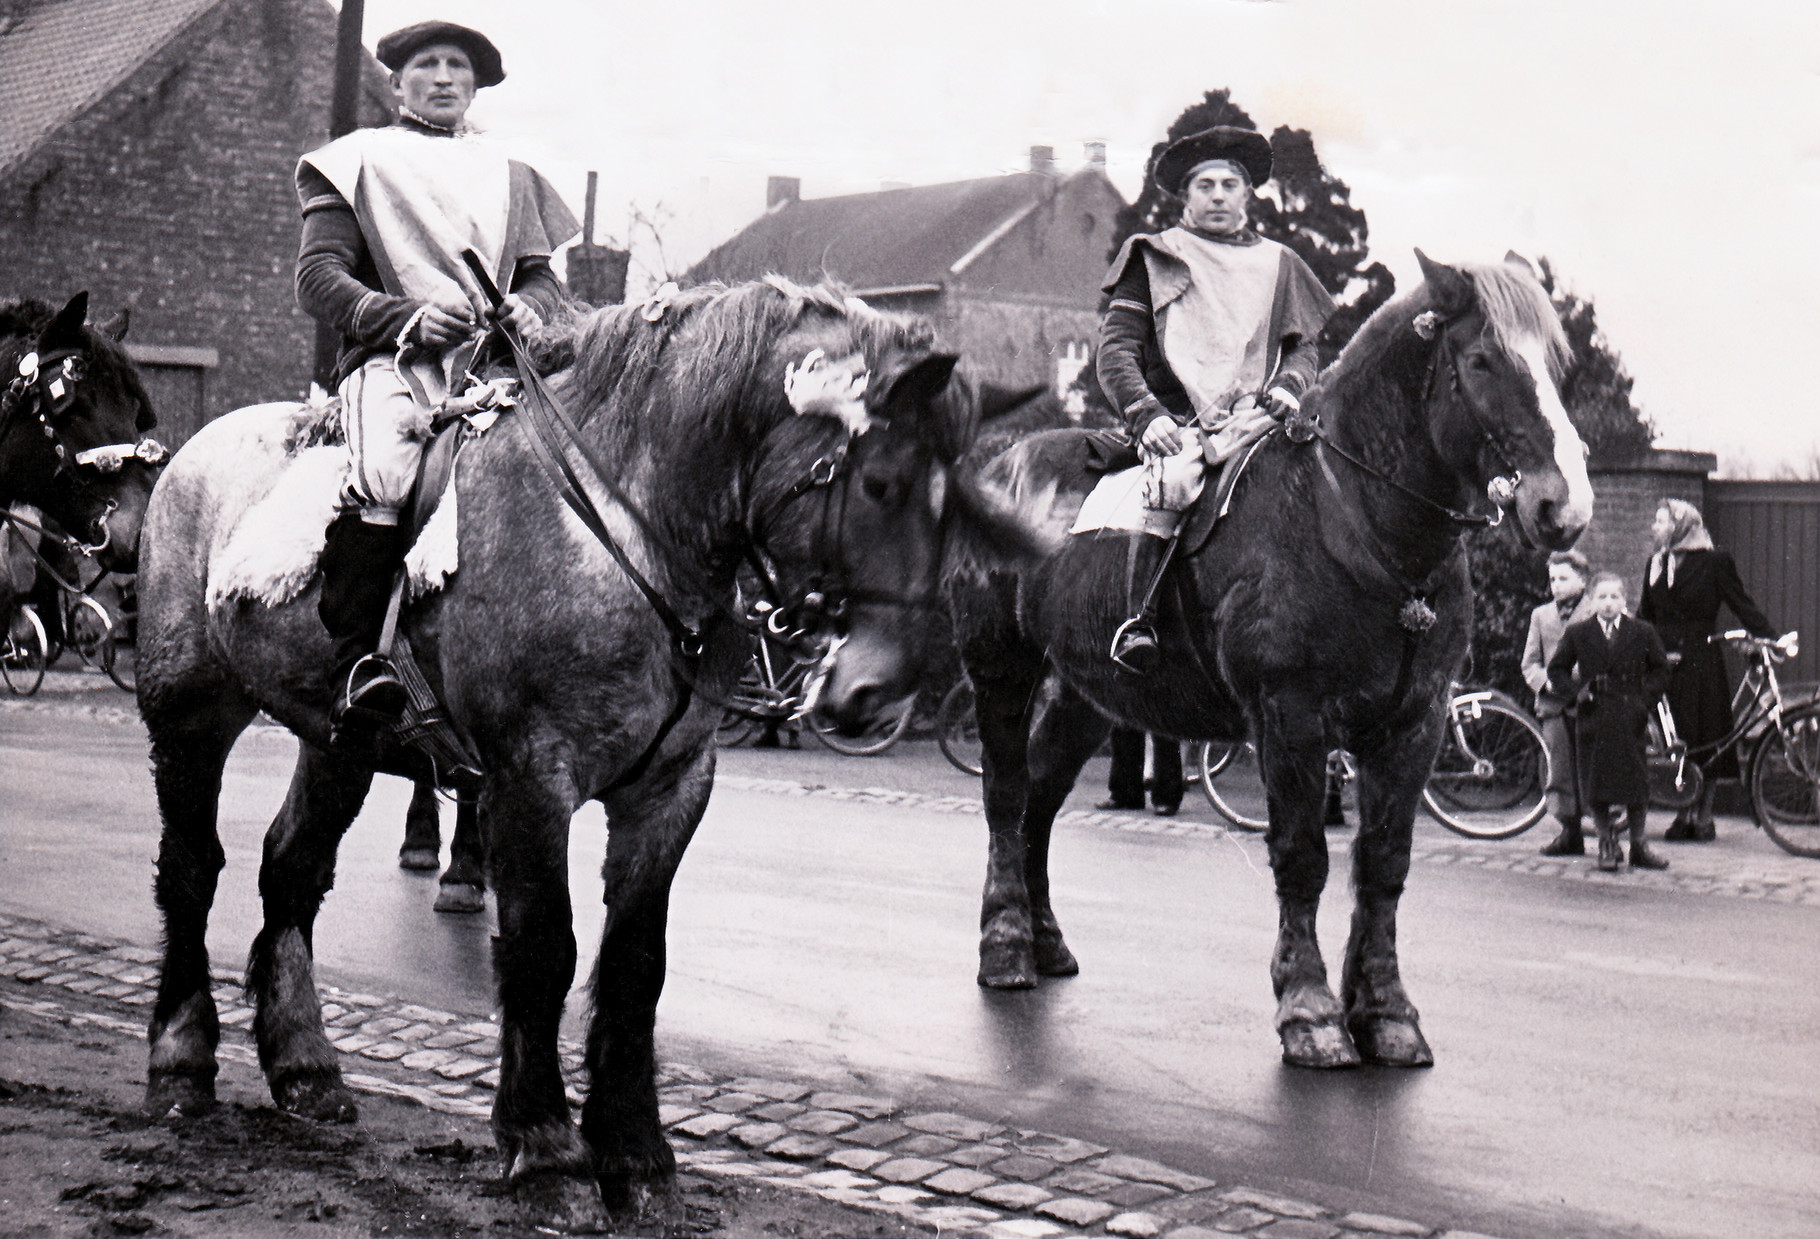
{"type": "Point", "coordinates": [1568, 605]}
{"type": "Point", "coordinates": [1687, 581]}
{"type": "Point", "coordinates": [1126, 782]}
{"type": "Point", "coordinates": [1621, 669]}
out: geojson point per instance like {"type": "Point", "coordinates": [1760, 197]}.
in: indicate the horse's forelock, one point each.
{"type": "Point", "coordinates": [1517, 312]}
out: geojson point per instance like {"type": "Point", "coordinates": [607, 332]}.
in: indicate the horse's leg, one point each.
{"type": "Point", "coordinates": [298, 869]}
{"type": "Point", "coordinates": [464, 883]}
{"type": "Point", "coordinates": [527, 813]}
{"type": "Point", "coordinates": [191, 736]}
{"type": "Point", "coordinates": [653, 822]}
{"type": "Point", "coordinates": [1004, 689]}
{"type": "Point", "coordinates": [422, 847]}
{"type": "Point", "coordinates": [1384, 1023]}
{"type": "Point", "coordinates": [1067, 733]}
{"type": "Point", "coordinates": [1292, 753]}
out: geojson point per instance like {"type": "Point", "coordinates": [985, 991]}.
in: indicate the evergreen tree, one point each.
{"type": "Point", "coordinates": [1312, 215]}
{"type": "Point", "coordinates": [1596, 390]}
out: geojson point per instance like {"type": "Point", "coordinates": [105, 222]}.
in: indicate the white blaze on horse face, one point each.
{"type": "Point", "coordinates": [1570, 452]}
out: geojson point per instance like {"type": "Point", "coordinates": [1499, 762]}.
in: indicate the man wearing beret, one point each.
{"type": "Point", "coordinates": [1209, 337]}
{"type": "Point", "coordinates": [386, 215]}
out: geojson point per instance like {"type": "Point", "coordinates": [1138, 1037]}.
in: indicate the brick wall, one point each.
{"type": "Point", "coordinates": [1626, 499]}
{"type": "Point", "coordinates": [173, 196]}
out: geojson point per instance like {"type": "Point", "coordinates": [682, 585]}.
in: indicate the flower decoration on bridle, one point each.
{"type": "Point", "coordinates": [821, 386]}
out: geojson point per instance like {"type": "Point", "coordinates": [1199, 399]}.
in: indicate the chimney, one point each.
{"type": "Point", "coordinates": [780, 190]}
{"type": "Point", "coordinates": [1096, 155]}
{"type": "Point", "coordinates": [1042, 160]}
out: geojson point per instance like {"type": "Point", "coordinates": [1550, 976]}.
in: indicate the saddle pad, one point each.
{"type": "Point", "coordinates": [271, 555]}
{"type": "Point", "coordinates": [1117, 502]}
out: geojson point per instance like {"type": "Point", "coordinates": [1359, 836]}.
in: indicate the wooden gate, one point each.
{"type": "Point", "coordinates": [1773, 530]}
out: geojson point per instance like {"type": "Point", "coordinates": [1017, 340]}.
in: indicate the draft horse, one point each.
{"type": "Point", "coordinates": [558, 670]}
{"type": "Point", "coordinates": [73, 414]}
{"type": "Point", "coordinates": [1328, 609]}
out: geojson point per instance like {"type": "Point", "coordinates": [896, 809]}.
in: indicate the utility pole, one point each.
{"type": "Point", "coordinates": [597, 273]}
{"type": "Point", "coordinates": [344, 118]}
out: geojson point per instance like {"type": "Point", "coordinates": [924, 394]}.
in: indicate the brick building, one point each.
{"type": "Point", "coordinates": [1008, 267]}
{"type": "Point", "coordinates": [146, 154]}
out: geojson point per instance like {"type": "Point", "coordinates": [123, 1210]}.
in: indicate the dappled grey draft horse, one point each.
{"type": "Point", "coordinates": [73, 415]}
{"type": "Point", "coordinates": [557, 669]}
{"type": "Point", "coordinates": [1329, 609]}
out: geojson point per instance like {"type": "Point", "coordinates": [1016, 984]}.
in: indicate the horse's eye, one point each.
{"type": "Point", "coordinates": [876, 489]}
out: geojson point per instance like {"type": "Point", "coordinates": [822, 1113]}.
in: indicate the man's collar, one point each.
{"type": "Point", "coordinates": [412, 119]}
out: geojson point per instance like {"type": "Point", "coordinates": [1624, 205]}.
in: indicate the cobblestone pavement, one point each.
{"type": "Point", "coordinates": [947, 1172]}
{"type": "Point", "coordinates": [1703, 870]}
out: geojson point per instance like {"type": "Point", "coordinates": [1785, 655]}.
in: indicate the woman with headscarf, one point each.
{"type": "Point", "coordinates": [1688, 579]}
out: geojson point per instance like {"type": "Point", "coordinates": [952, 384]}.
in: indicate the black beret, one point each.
{"type": "Point", "coordinates": [396, 49]}
{"type": "Point", "coordinates": [1246, 147]}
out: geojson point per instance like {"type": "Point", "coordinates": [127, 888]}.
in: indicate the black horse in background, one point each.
{"type": "Point", "coordinates": [1329, 609]}
{"type": "Point", "coordinates": [72, 416]}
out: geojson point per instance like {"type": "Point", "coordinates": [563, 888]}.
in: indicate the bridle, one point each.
{"type": "Point", "coordinates": [45, 387]}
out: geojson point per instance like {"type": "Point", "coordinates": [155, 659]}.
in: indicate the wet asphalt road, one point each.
{"type": "Point", "coordinates": [1610, 1061]}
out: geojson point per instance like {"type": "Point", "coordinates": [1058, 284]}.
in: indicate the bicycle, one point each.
{"type": "Point", "coordinates": [84, 625]}
{"type": "Point", "coordinates": [26, 652]}
{"type": "Point", "coordinates": [769, 697]}
{"type": "Point", "coordinates": [957, 729]}
{"type": "Point", "coordinates": [1782, 770]}
{"type": "Point", "coordinates": [1489, 781]}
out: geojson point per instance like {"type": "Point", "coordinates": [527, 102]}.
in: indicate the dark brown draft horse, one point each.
{"type": "Point", "coordinates": [1297, 624]}
{"type": "Point", "coordinates": [557, 669]}
{"type": "Point", "coordinates": [72, 413]}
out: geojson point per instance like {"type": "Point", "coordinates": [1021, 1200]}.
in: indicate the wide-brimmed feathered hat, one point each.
{"type": "Point", "coordinates": [396, 49]}
{"type": "Point", "coordinates": [1246, 147]}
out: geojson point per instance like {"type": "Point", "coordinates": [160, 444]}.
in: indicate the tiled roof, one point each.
{"type": "Point", "coordinates": [61, 57]}
{"type": "Point", "coordinates": [888, 239]}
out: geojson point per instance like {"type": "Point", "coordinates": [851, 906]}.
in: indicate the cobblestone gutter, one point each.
{"type": "Point", "coordinates": [947, 1172]}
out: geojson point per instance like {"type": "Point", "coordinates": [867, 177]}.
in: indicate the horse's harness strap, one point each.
{"type": "Point", "coordinates": [13, 518]}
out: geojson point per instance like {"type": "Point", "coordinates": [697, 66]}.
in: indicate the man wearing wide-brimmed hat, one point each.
{"type": "Point", "coordinates": [386, 215]}
{"type": "Point", "coordinates": [1209, 336]}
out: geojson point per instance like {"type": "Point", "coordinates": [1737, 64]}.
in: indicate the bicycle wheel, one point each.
{"type": "Point", "coordinates": [23, 658]}
{"type": "Point", "coordinates": [1785, 783]}
{"type": "Point", "coordinates": [1490, 779]}
{"type": "Point", "coordinates": [957, 730]}
{"type": "Point", "coordinates": [735, 728]}
{"type": "Point", "coordinates": [89, 630]}
{"type": "Point", "coordinates": [1228, 775]}
{"type": "Point", "coordinates": [874, 740]}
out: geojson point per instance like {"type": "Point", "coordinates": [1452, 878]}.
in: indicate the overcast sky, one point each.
{"type": "Point", "coordinates": [1664, 155]}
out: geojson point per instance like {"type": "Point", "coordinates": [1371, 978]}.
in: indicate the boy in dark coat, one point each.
{"type": "Point", "coordinates": [1622, 670]}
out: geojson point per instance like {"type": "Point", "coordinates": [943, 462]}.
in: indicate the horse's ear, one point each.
{"type": "Point", "coordinates": [1514, 259]}
{"type": "Point", "coordinates": [115, 327]}
{"type": "Point", "coordinates": [997, 401]}
{"type": "Point", "coordinates": [65, 330]}
{"type": "Point", "coordinates": [921, 381]}
{"type": "Point", "coordinates": [1448, 290]}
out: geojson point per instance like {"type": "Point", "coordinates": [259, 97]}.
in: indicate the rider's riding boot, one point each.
{"type": "Point", "coordinates": [1610, 854]}
{"type": "Point", "coordinates": [1640, 855]}
{"type": "Point", "coordinates": [1570, 842]}
{"type": "Point", "coordinates": [358, 565]}
{"type": "Point", "coordinates": [1134, 644]}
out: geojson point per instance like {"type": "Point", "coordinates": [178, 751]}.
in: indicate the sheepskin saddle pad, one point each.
{"type": "Point", "coordinates": [271, 554]}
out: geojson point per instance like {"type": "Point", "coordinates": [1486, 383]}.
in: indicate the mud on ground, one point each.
{"type": "Point", "coordinates": [78, 1158]}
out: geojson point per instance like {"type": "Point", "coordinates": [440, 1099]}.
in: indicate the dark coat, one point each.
{"type": "Point", "coordinates": [1622, 677]}
{"type": "Point", "coordinates": [1699, 692]}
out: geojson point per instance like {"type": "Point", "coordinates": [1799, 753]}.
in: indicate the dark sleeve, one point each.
{"type": "Point", "coordinates": [332, 251]}
{"type": "Point", "coordinates": [535, 281]}
{"type": "Point", "coordinates": [1655, 662]}
{"type": "Point", "coordinates": [1732, 593]}
{"type": "Point", "coordinates": [1301, 362]}
{"type": "Point", "coordinates": [1646, 608]}
{"type": "Point", "coordinates": [1303, 308]}
{"type": "Point", "coordinates": [1125, 330]}
{"type": "Point", "coordinates": [1561, 666]}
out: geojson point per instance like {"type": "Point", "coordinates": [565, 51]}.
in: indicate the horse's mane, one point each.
{"type": "Point", "coordinates": [23, 320]}
{"type": "Point", "coordinates": [714, 340]}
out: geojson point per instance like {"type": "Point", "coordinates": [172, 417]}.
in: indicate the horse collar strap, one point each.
{"type": "Point", "coordinates": [1415, 615]}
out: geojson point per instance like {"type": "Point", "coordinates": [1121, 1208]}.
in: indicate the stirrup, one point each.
{"type": "Point", "coordinates": [1134, 637]}
{"type": "Point", "coordinates": [363, 710]}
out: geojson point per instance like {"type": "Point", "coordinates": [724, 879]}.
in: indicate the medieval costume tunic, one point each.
{"type": "Point", "coordinates": [1681, 596]}
{"type": "Point", "coordinates": [1621, 675]}
{"type": "Point", "coordinates": [1198, 325]}
{"type": "Point", "coordinates": [386, 215]}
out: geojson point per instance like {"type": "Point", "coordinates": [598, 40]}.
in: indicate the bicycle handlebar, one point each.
{"type": "Point", "coordinates": [1786, 646]}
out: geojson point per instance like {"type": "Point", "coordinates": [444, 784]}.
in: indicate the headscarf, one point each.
{"type": "Point", "coordinates": [1689, 534]}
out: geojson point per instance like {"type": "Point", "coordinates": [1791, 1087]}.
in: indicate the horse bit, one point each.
{"type": "Point", "coordinates": [50, 382]}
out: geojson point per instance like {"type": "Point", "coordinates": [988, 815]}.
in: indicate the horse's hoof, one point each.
{"type": "Point", "coordinates": [170, 1094]}
{"type": "Point", "coordinates": [1324, 1046]}
{"type": "Point", "coordinates": [419, 858]}
{"type": "Point", "coordinates": [560, 1204]}
{"type": "Point", "coordinates": [460, 897]}
{"type": "Point", "coordinates": [1391, 1042]}
{"type": "Point", "coordinates": [1008, 963]}
{"type": "Point", "coordinates": [633, 1199]}
{"type": "Point", "coordinates": [1054, 959]}
{"type": "Point", "coordinates": [322, 1098]}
